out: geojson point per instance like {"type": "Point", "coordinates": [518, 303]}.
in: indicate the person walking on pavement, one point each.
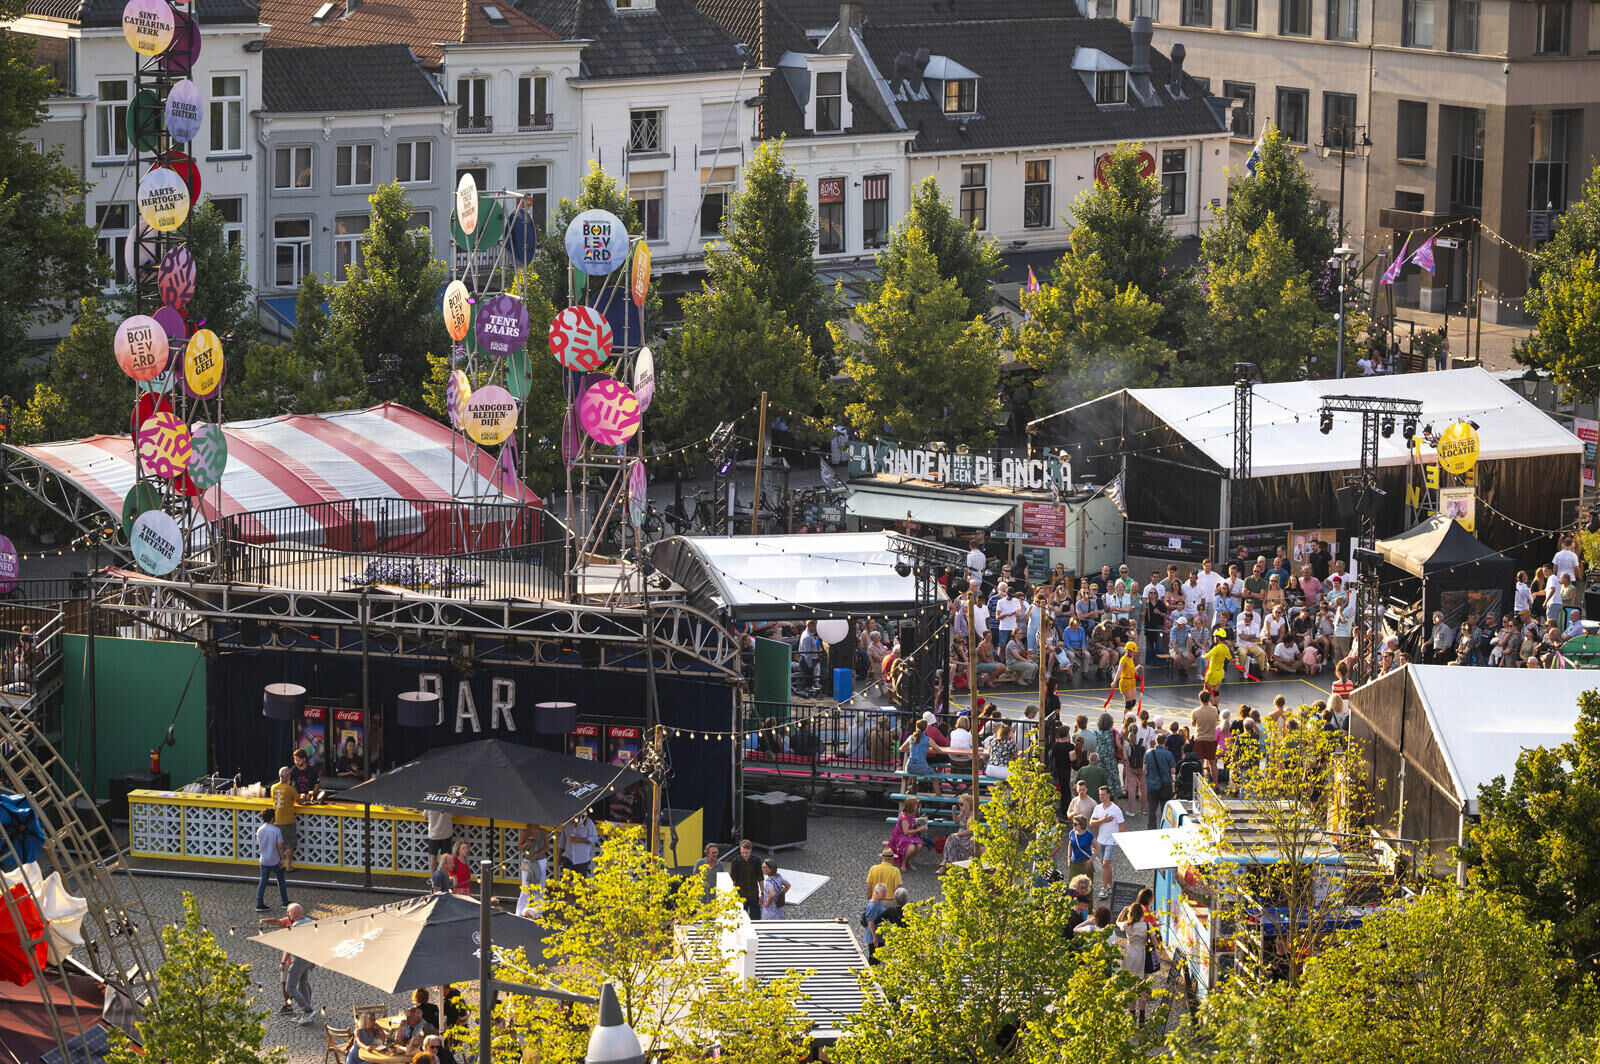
{"type": "Point", "coordinates": [1159, 766]}
{"type": "Point", "coordinates": [297, 981]}
{"type": "Point", "coordinates": [269, 841]}
{"type": "Point", "coordinates": [744, 868]}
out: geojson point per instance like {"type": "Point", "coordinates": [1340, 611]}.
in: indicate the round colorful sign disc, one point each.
{"type": "Point", "coordinates": [141, 497]}
{"type": "Point", "coordinates": [491, 226]}
{"type": "Point", "coordinates": [467, 203]}
{"type": "Point", "coordinates": [183, 164]}
{"type": "Point", "coordinates": [580, 338]}
{"type": "Point", "coordinates": [184, 111]}
{"type": "Point", "coordinates": [144, 407]}
{"type": "Point", "coordinates": [502, 325]}
{"type": "Point", "coordinates": [491, 415]}
{"type": "Point", "coordinates": [163, 200]}
{"type": "Point", "coordinates": [175, 280]}
{"type": "Point", "coordinates": [147, 26]}
{"type": "Point", "coordinates": [181, 54]}
{"type": "Point", "coordinates": [609, 412]}
{"type": "Point", "coordinates": [144, 120]}
{"type": "Point", "coordinates": [596, 242]}
{"type": "Point", "coordinates": [644, 378]}
{"type": "Point", "coordinates": [519, 374]}
{"type": "Point", "coordinates": [140, 344]}
{"type": "Point", "coordinates": [208, 455]}
{"type": "Point", "coordinates": [638, 493]}
{"type": "Point", "coordinates": [202, 364]}
{"type": "Point", "coordinates": [456, 393]}
{"type": "Point", "coordinates": [457, 310]}
{"type": "Point", "coordinates": [157, 542]}
{"type": "Point", "coordinates": [175, 327]}
{"type": "Point", "coordinates": [164, 445]}
{"type": "Point", "coordinates": [10, 566]}
{"type": "Point", "coordinates": [143, 250]}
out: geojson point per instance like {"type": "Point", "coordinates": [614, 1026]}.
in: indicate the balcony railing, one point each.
{"type": "Point", "coordinates": [474, 124]}
{"type": "Point", "coordinates": [536, 123]}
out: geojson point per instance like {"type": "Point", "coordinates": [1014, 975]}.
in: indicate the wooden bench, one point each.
{"type": "Point", "coordinates": [931, 823]}
{"type": "Point", "coordinates": [939, 799]}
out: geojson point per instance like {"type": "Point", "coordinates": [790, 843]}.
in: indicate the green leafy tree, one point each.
{"type": "Point", "coordinates": [923, 367]}
{"type": "Point", "coordinates": [960, 251]}
{"type": "Point", "coordinates": [83, 391]}
{"type": "Point", "coordinates": [768, 246]}
{"type": "Point", "coordinates": [49, 260]}
{"type": "Point", "coordinates": [388, 303]}
{"type": "Point", "coordinates": [1537, 838]}
{"type": "Point", "coordinates": [223, 299]}
{"type": "Point", "coordinates": [1283, 190]}
{"type": "Point", "coordinates": [317, 371]}
{"type": "Point", "coordinates": [204, 1011]}
{"type": "Point", "coordinates": [991, 971]}
{"type": "Point", "coordinates": [1563, 298]}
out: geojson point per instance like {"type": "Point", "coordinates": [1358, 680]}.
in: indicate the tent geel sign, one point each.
{"type": "Point", "coordinates": [1460, 504]}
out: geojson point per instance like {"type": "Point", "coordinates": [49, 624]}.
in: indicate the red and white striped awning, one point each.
{"type": "Point", "coordinates": [387, 452]}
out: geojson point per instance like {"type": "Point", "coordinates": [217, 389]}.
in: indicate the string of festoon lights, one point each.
{"type": "Point", "coordinates": [693, 445]}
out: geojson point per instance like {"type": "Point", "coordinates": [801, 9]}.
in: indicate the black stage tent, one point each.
{"type": "Point", "coordinates": [1457, 573]}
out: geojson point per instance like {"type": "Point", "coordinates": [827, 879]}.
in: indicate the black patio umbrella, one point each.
{"type": "Point", "coordinates": [426, 941]}
{"type": "Point", "coordinates": [498, 780]}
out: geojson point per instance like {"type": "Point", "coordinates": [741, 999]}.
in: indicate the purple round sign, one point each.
{"type": "Point", "coordinates": [502, 325]}
{"type": "Point", "coordinates": [10, 566]}
{"type": "Point", "coordinates": [180, 56]}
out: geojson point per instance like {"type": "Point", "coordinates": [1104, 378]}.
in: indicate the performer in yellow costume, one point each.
{"type": "Point", "coordinates": [1217, 659]}
{"type": "Point", "coordinates": [1130, 675]}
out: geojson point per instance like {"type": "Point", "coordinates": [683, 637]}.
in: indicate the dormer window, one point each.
{"type": "Point", "coordinates": [961, 96]}
{"type": "Point", "coordinates": [1111, 87]}
{"type": "Point", "coordinates": [628, 6]}
{"type": "Point", "coordinates": [830, 101]}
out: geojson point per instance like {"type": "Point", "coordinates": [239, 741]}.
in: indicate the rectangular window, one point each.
{"type": "Point", "coordinates": [1244, 116]}
{"type": "Point", "coordinates": [1339, 120]}
{"type": "Point", "coordinates": [830, 101]}
{"type": "Point", "coordinates": [830, 215]}
{"type": "Point", "coordinates": [420, 221]}
{"type": "Point", "coordinates": [533, 104]}
{"type": "Point", "coordinates": [644, 131]}
{"type": "Point", "coordinates": [975, 195]}
{"type": "Point", "coordinates": [111, 221]}
{"type": "Point", "coordinates": [472, 106]}
{"type": "Point", "coordinates": [413, 162]}
{"type": "Point", "coordinates": [291, 167]}
{"type": "Point", "coordinates": [1294, 114]}
{"type": "Point", "coordinates": [716, 190]}
{"type": "Point", "coordinates": [874, 210]}
{"type": "Point", "coordinates": [1416, 24]}
{"type": "Point", "coordinates": [352, 165]}
{"type": "Point", "coordinates": [1175, 181]}
{"type": "Point", "coordinates": [1111, 86]}
{"type": "Point", "coordinates": [1464, 25]}
{"type": "Point", "coordinates": [961, 96]}
{"type": "Point", "coordinates": [1343, 19]}
{"type": "Point", "coordinates": [1036, 189]}
{"type": "Point", "coordinates": [348, 233]}
{"type": "Point", "coordinates": [533, 181]}
{"type": "Point", "coordinates": [649, 192]}
{"type": "Point", "coordinates": [1294, 18]}
{"type": "Point", "coordinates": [1105, 8]}
{"type": "Point", "coordinates": [227, 114]}
{"type": "Point", "coordinates": [291, 250]}
{"type": "Point", "coordinates": [1147, 8]}
{"type": "Point", "coordinates": [480, 175]}
{"type": "Point", "coordinates": [1411, 130]}
{"type": "Point", "coordinates": [1594, 27]}
{"type": "Point", "coordinates": [1241, 14]}
{"type": "Point", "coordinates": [1195, 12]}
{"type": "Point", "coordinates": [1410, 201]}
{"type": "Point", "coordinates": [1554, 23]}
{"type": "Point", "coordinates": [232, 211]}
{"type": "Point", "coordinates": [1466, 163]}
{"type": "Point", "coordinates": [1548, 158]}
{"type": "Point", "coordinates": [111, 120]}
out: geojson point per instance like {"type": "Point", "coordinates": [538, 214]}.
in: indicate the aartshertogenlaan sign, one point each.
{"type": "Point", "coordinates": [881, 458]}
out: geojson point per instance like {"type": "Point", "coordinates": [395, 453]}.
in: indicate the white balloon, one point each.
{"type": "Point", "coordinates": [833, 630]}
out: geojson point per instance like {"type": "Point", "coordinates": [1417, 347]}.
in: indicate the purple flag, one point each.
{"type": "Point", "coordinates": [1398, 264]}
{"type": "Point", "coordinates": [1424, 256]}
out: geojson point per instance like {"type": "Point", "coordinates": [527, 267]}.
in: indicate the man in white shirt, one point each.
{"type": "Point", "coordinates": [1566, 561]}
{"type": "Point", "coordinates": [1286, 656]}
{"type": "Point", "coordinates": [578, 839]}
{"type": "Point", "coordinates": [1208, 580]}
{"type": "Point", "coordinates": [980, 611]}
{"type": "Point", "coordinates": [1155, 585]}
{"type": "Point", "coordinates": [1194, 596]}
{"type": "Point", "coordinates": [1105, 821]}
{"type": "Point", "coordinates": [1248, 630]}
{"type": "Point", "coordinates": [960, 748]}
{"type": "Point", "coordinates": [1006, 612]}
{"type": "Point", "coordinates": [441, 835]}
{"type": "Point", "coordinates": [976, 562]}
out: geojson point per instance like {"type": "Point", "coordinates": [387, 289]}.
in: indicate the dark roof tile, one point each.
{"type": "Point", "coordinates": [109, 12]}
{"type": "Point", "coordinates": [422, 25]}
{"type": "Point", "coordinates": [674, 38]}
{"type": "Point", "coordinates": [374, 77]}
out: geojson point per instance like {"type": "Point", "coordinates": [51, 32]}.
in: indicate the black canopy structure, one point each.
{"type": "Point", "coordinates": [496, 779]}
{"type": "Point", "coordinates": [426, 941]}
{"type": "Point", "coordinates": [1458, 573]}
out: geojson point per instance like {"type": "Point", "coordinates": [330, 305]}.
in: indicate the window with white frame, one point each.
{"type": "Point", "coordinates": [111, 119]}
{"type": "Point", "coordinates": [648, 191]}
{"type": "Point", "coordinates": [413, 162]}
{"type": "Point", "coordinates": [533, 104]}
{"type": "Point", "coordinates": [716, 190]}
{"type": "Point", "coordinates": [112, 224]}
{"type": "Point", "coordinates": [232, 210]}
{"type": "Point", "coordinates": [348, 233]}
{"type": "Point", "coordinates": [830, 215]}
{"type": "Point", "coordinates": [472, 106]}
{"type": "Point", "coordinates": [533, 181]}
{"type": "Point", "coordinates": [291, 250]}
{"type": "Point", "coordinates": [1036, 194]}
{"type": "Point", "coordinates": [291, 167]}
{"type": "Point", "coordinates": [1554, 25]}
{"type": "Point", "coordinates": [830, 101]}
{"type": "Point", "coordinates": [227, 114]}
{"type": "Point", "coordinates": [975, 195]}
{"type": "Point", "coordinates": [352, 165]}
{"type": "Point", "coordinates": [1175, 181]}
{"type": "Point", "coordinates": [1111, 86]}
{"type": "Point", "coordinates": [874, 210]}
{"type": "Point", "coordinates": [644, 130]}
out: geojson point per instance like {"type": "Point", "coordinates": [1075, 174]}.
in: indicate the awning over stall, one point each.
{"type": "Point", "coordinates": [1440, 545]}
{"type": "Point", "coordinates": [927, 509]}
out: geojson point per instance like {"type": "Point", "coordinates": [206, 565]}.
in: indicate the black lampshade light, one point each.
{"type": "Point", "coordinates": [418, 709]}
{"type": "Point", "coordinates": [555, 718]}
{"type": "Point", "coordinates": [283, 701]}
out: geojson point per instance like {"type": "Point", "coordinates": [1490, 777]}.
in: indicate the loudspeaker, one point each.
{"type": "Point", "coordinates": [1370, 503]}
{"type": "Point", "coordinates": [1347, 498]}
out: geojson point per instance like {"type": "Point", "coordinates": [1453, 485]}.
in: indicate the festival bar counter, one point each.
{"type": "Point", "coordinates": [221, 829]}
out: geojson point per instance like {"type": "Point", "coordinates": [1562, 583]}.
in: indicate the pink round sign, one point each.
{"type": "Point", "coordinates": [580, 338]}
{"type": "Point", "coordinates": [10, 566]}
{"type": "Point", "coordinates": [609, 412]}
{"type": "Point", "coordinates": [140, 344]}
{"type": "Point", "coordinates": [165, 445]}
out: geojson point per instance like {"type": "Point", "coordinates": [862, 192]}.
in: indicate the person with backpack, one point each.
{"type": "Point", "coordinates": [774, 888]}
{"type": "Point", "coordinates": [1159, 765]}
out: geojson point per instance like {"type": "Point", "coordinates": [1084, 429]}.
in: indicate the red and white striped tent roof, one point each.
{"type": "Point", "coordinates": [382, 452]}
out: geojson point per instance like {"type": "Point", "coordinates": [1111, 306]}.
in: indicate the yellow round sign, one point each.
{"type": "Point", "coordinates": [1458, 448]}
{"type": "Point", "coordinates": [202, 363]}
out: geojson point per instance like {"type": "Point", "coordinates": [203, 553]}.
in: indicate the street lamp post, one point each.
{"type": "Point", "coordinates": [1343, 137]}
{"type": "Point", "coordinates": [1343, 255]}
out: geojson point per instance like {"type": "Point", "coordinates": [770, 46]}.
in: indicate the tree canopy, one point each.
{"type": "Point", "coordinates": [1119, 218]}
{"type": "Point", "coordinates": [1283, 190]}
{"type": "Point", "coordinates": [1565, 298]}
{"type": "Point", "coordinates": [960, 251]}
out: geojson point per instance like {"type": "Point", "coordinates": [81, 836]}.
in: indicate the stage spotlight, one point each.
{"type": "Point", "coordinates": [902, 569]}
{"type": "Point", "coordinates": [1326, 422]}
{"type": "Point", "coordinates": [1388, 427]}
{"type": "Point", "coordinates": [1410, 428]}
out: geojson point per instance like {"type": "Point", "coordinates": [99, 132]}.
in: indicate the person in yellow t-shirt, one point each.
{"type": "Point", "coordinates": [1129, 672]}
{"type": "Point", "coordinates": [283, 796]}
{"type": "Point", "coordinates": [1217, 659]}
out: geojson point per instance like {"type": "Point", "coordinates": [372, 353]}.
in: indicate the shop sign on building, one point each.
{"type": "Point", "coordinates": [1044, 524]}
{"type": "Point", "coordinates": [882, 458]}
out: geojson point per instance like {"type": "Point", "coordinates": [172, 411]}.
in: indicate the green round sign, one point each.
{"type": "Point", "coordinates": [519, 378]}
{"type": "Point", "coordinates": [142, 498]}
{"type": "Point", "coordinates": [208, 455]}
{"type": "Point", "coordinates": [491, 226]}
{"type": "Point", "coordinates": [145, 118]}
